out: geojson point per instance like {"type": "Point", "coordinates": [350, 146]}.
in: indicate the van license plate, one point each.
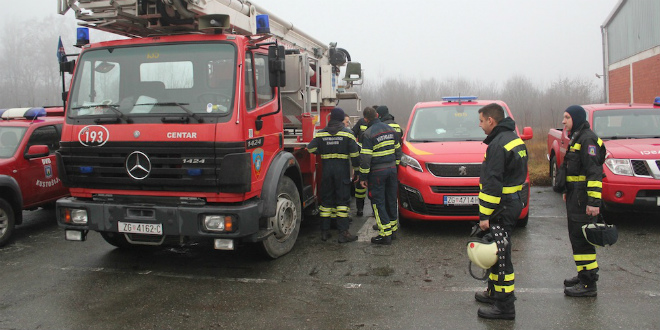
{"type": "Point", "coordinates": [140, 228]}
{"type": "Point", "coordinates": [461, 200]}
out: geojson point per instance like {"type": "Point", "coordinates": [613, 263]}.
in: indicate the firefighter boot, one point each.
{"type": "Point", "coordinates": [587, 285]}
{"type": "Point", "coordinates": [346, 236]}
{"type": "Point", "coordinates": [325, 235]}
{"type": "Point", "coordinates": [502, 308]}
{"type": "Point", "coordinates": [382, 240]}
{"type": "Point", "coordinates": [359, 205]}
{"type": "Point", "coordinates": [486, 296]}
{"type": "Point", "coordinates": [571, 281]}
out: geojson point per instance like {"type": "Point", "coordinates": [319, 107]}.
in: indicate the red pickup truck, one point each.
{"type": "Point", "coordinates": [29, 179]}
{"type": "Point", "coordinates": [631, 133]}
{"type": "Point", "coordinates": [441, 163]}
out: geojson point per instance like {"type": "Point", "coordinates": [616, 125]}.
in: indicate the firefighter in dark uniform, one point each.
{"type": "Point", "coordinates": [378, 158]}
{"type": "Point", "coordinates": [584, 174]}
{"type": "Point", "coordinates": [336, 145]}
{"type": "Point", "coordinates": [360, 192]}
{"type": "Point", "coordinates": [503, 174]}
{"type": "Point", "coordinates": [385, 117]}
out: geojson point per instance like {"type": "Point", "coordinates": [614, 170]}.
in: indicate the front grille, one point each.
{"type": "Point", "coordinates": [640, 168]}
{"type": "Point", "coordinates": [171, 162]}
{"type": "Point", "coordinates": [460, 170]}
{"type": "Point", "coordinates": [455, 189]}
{"type": "Point", "coordinates": [452, 210]}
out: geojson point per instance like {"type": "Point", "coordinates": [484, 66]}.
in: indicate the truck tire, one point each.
{"type": "Point", "coordinates": [553, 169]}
{"type": "Point", "coordinates": [286, 222]}
{"type": "Point", "coordinates": [7, 221]}
{"type": "Point", "coordinates": [522, 223]}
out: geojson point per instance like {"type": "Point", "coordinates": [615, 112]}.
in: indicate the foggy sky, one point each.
{"type": "Point", "coordinates": [481, 40]}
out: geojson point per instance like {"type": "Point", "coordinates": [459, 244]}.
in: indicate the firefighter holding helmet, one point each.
{"type": "Point", "coordinates": [584, 174]}
{"type": "Point", "coordinates": [503, 174]}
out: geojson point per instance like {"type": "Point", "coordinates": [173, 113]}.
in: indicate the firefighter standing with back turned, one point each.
{"type": "Point", "coordinates": [503, 174]}
{"type": "Point", "coordinates": [584, 174]}
{"type": "Point", "coordinates": [336, 145]}
{"type": "Point", "coordinates": [385, 117]}
{"type": "Point", "coordinates": [360, 192]}
{"type": "Point", "coordinates": [378, 158]}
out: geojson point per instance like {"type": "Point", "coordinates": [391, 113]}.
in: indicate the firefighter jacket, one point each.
{"type": "Point", "coordinates": [358, 130]}
{"type": "Point", "coordinates": [584, 163]}
{"type": "Point", "coordinates": [389, 120]}
{"type": "Point", "coordinates": [504, 169]}
{"type": "Point", "coordinates": [380, 148]}
{"type": "Point", "coordinates": [335, 143]}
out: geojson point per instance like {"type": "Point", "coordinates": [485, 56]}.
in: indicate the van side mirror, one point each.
{"type": "Point", "coordinates": [527, 134]}
{"type": "Point", "coordinates": [276, 66]}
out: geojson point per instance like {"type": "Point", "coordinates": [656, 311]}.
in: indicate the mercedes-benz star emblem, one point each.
{"type": "Point", "coordinates": [138, 165]}
{"type": "Point", "coordinates": [462, 170]}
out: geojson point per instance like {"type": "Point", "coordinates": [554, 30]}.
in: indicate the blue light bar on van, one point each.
{"type": "Point", "coordinates": [27, 113]}
{"type": "Point", "coordinates": [459, 98]}
{"type": "Point", "coordinates": [657, 101]}
{"type": "Point", "coordinates": [263, 24]}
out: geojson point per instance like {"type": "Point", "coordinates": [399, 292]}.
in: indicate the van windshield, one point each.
{"type": "Point", "coordinates": [155, 80]}
{"type": "Point", "coordinates": [450, 123]}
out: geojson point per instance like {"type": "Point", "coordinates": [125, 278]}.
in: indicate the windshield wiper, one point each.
{"type": "Point", "coordinates": [114, 107]}
{"type": "Point", "coordinates": [177, 104]}
{"type": "Point", "coordinates": [422, 141]}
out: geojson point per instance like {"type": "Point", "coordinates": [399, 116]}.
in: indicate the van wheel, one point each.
{"type": "Point", "coordinates": [7, 221]}
{"type": "Point", "coordinates": [286, 222]}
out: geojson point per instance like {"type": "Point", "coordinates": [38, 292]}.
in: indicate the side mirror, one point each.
{"type": "Point", "coordinates": [527, 134]}
{"type": "Point", "coordinates": [259, 124]}
{"type": "Point", "coordinates": [276, 66]}
{"type": "Point", "coordinates": [36, 151]}
{"type": "Point", "coordinates": [68, 66]}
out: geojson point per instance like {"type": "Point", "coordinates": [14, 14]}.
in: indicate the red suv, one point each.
{"type": "Point", "coordinates": [441, 163]}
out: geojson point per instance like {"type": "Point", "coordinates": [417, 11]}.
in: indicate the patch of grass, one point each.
{"type": "Point", "coordinates": [537, 148]}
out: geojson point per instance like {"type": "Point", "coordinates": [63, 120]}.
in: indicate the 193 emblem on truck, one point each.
{"type": "Point", "coordinates": [93, 136]}
{"type": "Point", "coordinates": [138, 165]}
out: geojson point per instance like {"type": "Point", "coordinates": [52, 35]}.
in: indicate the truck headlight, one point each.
{"type": "Point", "coordinates": [619, 166]}
{"type": "Point", "coordinates": [75, 216]}
{"type": "Point", "coordinates": [218, 223]}
{"type": "Point", "coordinates": [412, 162]}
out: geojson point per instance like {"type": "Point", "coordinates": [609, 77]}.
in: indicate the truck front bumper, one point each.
{"type": "Point", "coordinates": [174, 220]}
{"type": "Point", "coordinates": [631, 197]}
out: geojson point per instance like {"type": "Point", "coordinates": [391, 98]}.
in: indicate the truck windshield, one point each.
{"type": "Point", "coordinates": [450, 123]}
{"type": "Point", "coordinates": [155, 80]}
{"type": "Point", "coordinates": [627, 123]}
{"type": "Point", "coordinates": [10, 138]}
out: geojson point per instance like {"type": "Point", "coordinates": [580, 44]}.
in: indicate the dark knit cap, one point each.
{"type": "Point", "coordinates": [382, 111]}
{"type": "Point", "coordinates": [337, 114]}
{"type": "Point", "coordinates": [578, 115]}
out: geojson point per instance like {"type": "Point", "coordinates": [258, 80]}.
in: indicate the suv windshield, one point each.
{"type": "Point", "coordinates": [627, 123]}
{"type": "Point", "coordinates": [155, 80]}
{"type": "Point", "coordinates": [10, 138]}
{"type": "Point", "coordinates": [450, 123]}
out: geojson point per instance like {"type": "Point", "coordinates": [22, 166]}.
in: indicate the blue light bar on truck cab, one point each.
{"type": "Point", "coordinates": [82, 37]}
{"type": "Point", "coordinates": [263, 24]}
{"type": "Point", "coordinates": [27, 113]}
{"type": "Point", "coordinates": [459, 98]}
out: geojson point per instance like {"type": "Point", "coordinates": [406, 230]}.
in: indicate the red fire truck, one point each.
{"type": "Point", "coordinates": [195, 127]}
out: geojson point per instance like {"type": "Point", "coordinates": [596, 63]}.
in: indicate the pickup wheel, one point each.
{"type": "Point", "coordinates": [7, 221]}
{"type": "Point", "coordinates": [522, 223]}
{"type": "Point", "coordinates": [286, 222]}
{"type": "Point", "coordinates": [553, 170]}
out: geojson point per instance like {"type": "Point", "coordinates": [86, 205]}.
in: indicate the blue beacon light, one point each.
{"type": "Point", "coordinates": [656, 102]}
{"type": "Point", "coordinates": [459, 98]}
{"type": "Point", "coordinates": [82, 36]}
{"type": "Point", "coordinates": [263, 24]}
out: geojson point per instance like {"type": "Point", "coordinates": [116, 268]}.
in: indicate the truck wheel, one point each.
{"type": "Point", "coordinates": [286, 222]}
{"type": "Point", "coordinates": [116, 239]}
{"type": "Point", "coordinates": [553, 170]}
{"type": "Point", "coordinates": [7, 221]}
{"type": "Point", "coordinates": [522, 223]}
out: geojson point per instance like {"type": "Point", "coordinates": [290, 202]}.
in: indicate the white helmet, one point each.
{"type": "Point", "coordinates": [482, 251]}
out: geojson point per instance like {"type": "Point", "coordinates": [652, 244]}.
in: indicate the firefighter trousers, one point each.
{"type": "Point", "coordinates": [501, 281]}
{"type": "Point", "coordinates": [335, 195]}
{"type": "Point", "coordinates": [584, 254]}
{"type": "Point", "coordinates": [383, 195]}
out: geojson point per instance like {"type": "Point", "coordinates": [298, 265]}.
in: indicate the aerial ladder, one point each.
{"type": "Point", "coordinates": [302, 96]}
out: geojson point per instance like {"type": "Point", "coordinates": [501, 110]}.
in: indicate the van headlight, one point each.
{"type": "Point", "coordinates": [412, 162]}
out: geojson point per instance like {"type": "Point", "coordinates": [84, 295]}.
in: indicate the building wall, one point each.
{"type": "Point", "coordinates": [619, 85]}
{"type": "Point", "coordinates": [646, 79]}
